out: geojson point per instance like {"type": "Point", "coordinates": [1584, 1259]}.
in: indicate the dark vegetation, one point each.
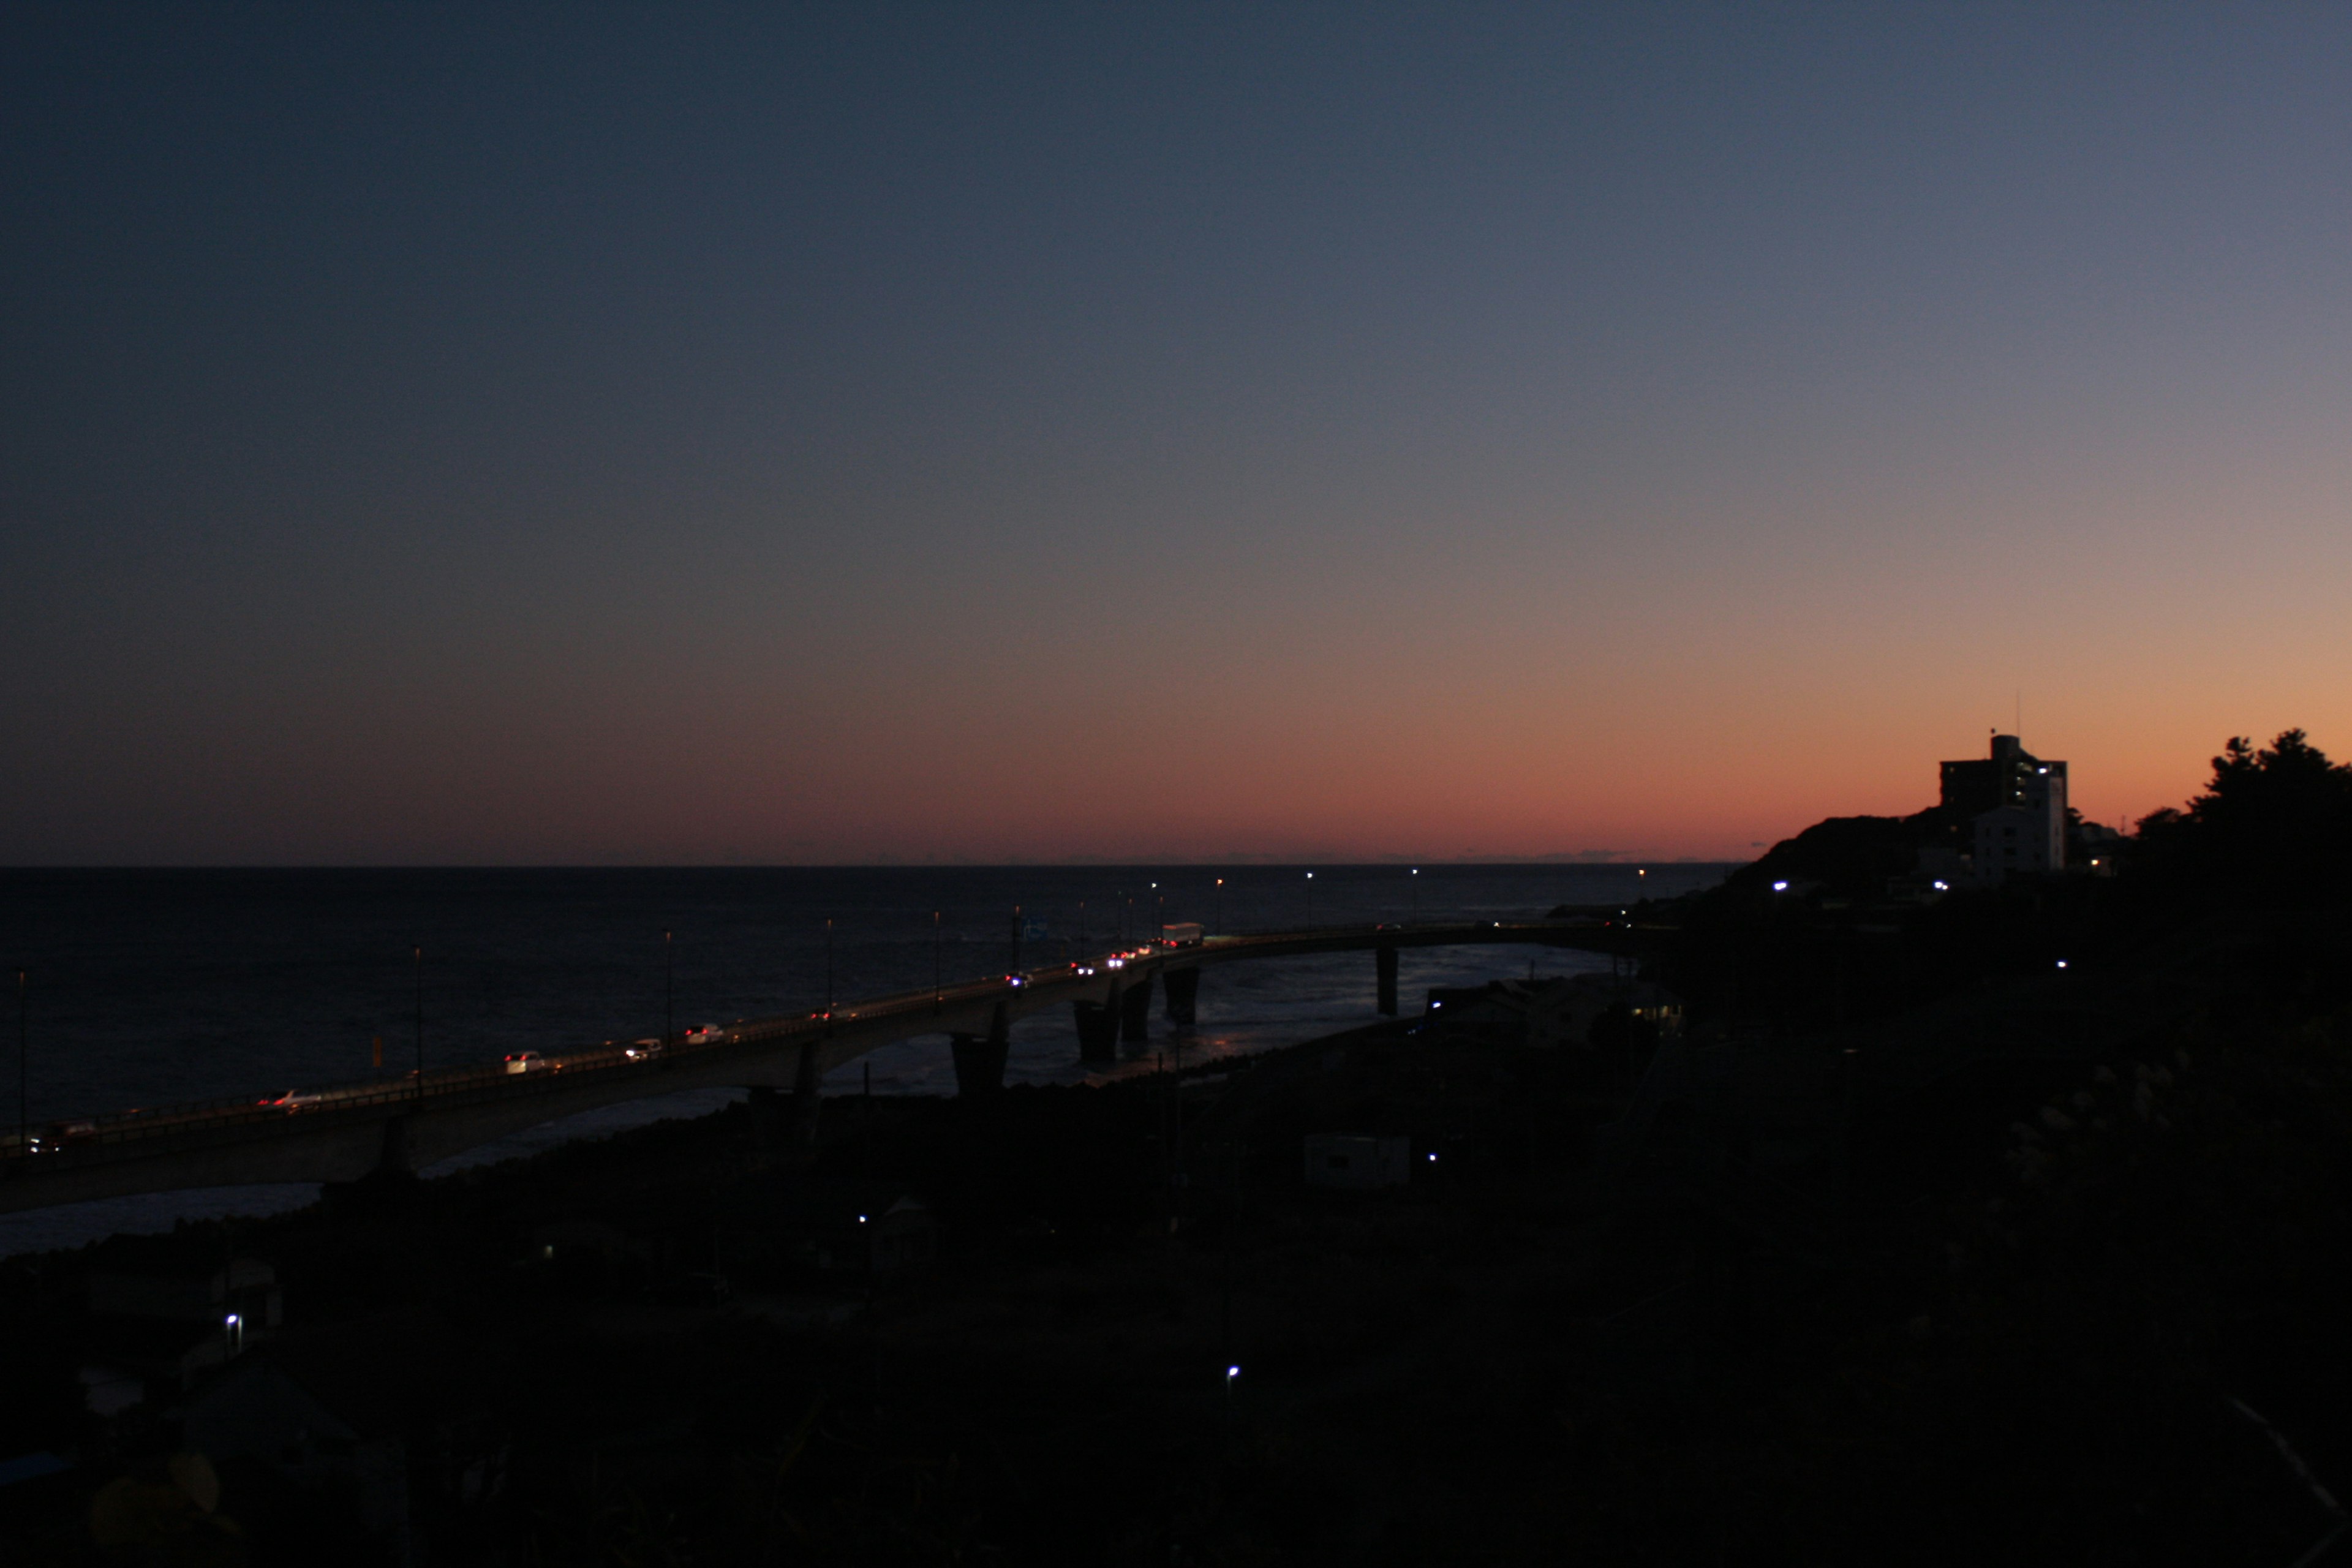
{"type": "Point", "coordinates": [1917, 1249]}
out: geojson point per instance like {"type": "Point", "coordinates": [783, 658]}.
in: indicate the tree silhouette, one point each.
{"type": "Point", "coordinates": [2273, 825]}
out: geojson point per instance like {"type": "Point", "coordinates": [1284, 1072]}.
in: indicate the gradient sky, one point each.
{"type": "Point", "coordinates": [595, 434]}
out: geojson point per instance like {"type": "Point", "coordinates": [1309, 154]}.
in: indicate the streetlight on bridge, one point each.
{"type": "Point", "coordinates": [1310, 900]}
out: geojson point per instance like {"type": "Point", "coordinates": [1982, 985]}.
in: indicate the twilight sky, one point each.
{"type": "Point", "coordinates": [506, 434]}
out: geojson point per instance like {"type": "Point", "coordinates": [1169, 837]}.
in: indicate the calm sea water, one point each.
{"type": "Point", "coordinates": [150, 987]}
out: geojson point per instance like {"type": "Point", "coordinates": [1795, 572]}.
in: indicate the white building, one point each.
{"type": "Point", "coordinates": [2027, 834]}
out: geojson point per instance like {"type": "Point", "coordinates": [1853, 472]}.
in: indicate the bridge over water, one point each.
{"type": "Point", "coordinates": [349, 1133]}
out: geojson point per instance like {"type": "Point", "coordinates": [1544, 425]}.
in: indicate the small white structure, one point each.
{"type": "Point", "coordinates": [1342, 1160]}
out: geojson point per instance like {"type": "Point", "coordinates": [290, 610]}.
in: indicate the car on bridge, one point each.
{"type": "Point", "coordinates": [529, 1061]}
{"type": "Point", "coordinates": [59, 1135]}
{"type": "Point", "coordinates": [643, 1050]}
{"type": "Point", "coordinates": [297, 1099]}
{"type": "Point", "coordinates": [703, 1035]}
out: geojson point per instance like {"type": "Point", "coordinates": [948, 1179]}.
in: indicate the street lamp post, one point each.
{"type": "Point", "coordinates": [1310, 900]}
{"type": "Point", "coordinates": [1416, 895]}
{"type": "Point", "coordinates": [1221, 906]}
{"type": "Point", "coordinates": [828, 969]}
{"type": "Point", "coordinates": [1016, 941]}
{"type": "Point", "coordinates": [939, 964]}
{"type": "Point", "coordinates": [23, 1094]}
{"type": "Point", "coordinates": [670, 995]}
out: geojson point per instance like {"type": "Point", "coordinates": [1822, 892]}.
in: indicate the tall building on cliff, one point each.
{"type": "Point", "coordinates": [2016, 804]}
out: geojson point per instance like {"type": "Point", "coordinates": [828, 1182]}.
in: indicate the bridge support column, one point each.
{"type": "Point", "coordinates": [771, 1125]}
{"type": "Point", "coordinates": [808, 1097]}
{"type": "Point", "coordinates": [1183, 989]}
{"type": "Point", "coordinates": [1135, 1010]}
{"type": "Point", "coordinates": [979, 1058]}
{"type": "Point", "coordinates": [1097, 1029]}
{"type": "Point", "coordinates": [393, 1161]}
{"type": "Point", "coordinates": [392, 1179]}
{"type": "Point", "coordinates": [1384, 966]}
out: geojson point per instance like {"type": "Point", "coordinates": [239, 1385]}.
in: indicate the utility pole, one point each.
{"type": "Point", "coordinates": [420, 1025]}
{"type": "Point", "coordinates": [869, 1221]}
{"type": "Point", "coordinates": [1238, 1152]}
{"type": "Point", "coordinates": [1175, 1131]}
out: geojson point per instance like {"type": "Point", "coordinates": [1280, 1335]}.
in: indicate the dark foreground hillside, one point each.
{"type": "Point", "coordinates": [1916, 1246]}
{"type": "Point", "coordinates": [2042, 1346]}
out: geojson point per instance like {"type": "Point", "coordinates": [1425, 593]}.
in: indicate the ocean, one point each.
{"type": "Point", "coordinates": [149, 987]}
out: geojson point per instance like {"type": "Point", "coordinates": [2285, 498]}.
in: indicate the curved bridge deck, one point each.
{"type": "Point", "coordinates": [352, 1132]}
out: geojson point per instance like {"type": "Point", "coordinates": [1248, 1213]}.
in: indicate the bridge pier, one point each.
{"type": "Point", "coordinates": [1183, 989]}
{"type": "Point", "coordinates": [394, 1163]}
{"type": "Point", "coordinates": [1097, 1029]}
{"type": "Point", "coordinates": [808, 1098]}
{"type": "Point", "coordinates": [979, 1058]}
{"type": "Point", "coordinates": [1135, 1010]}
{"type": "Point", "coordinates": [1384, 967]}
{"type": "Point", "coordinates": [391, 1182]}
{"type": "Point", "coordinates": [771, 1126]}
